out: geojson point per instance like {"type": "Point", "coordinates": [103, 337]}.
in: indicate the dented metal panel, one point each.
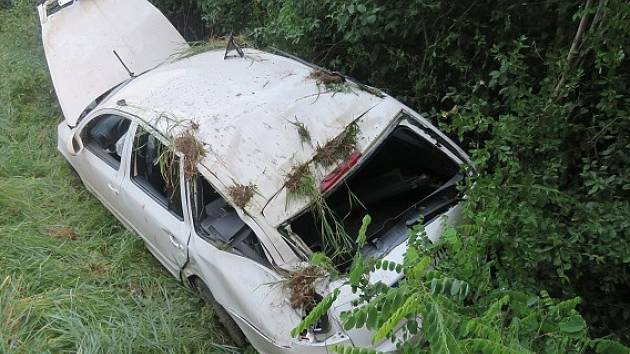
{"type": "Point", "coordinates": [245, 109]}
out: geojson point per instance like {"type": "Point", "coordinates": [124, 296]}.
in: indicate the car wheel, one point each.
{"type": "Point", "coordinates": [224, 317]}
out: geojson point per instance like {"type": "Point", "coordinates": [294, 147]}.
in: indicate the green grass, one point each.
{"type": "Point", "coordinates": [72, 279]}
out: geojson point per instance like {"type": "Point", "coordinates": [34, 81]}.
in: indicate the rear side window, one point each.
{"type": "Point", "coordinates": [155, 169]}
{"type": "Point", "coordinates": [218, 222]}
{"type": "Point", "coordinates": [105, 137]}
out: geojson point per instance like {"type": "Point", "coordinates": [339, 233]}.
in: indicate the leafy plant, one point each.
{"type": "Point", "coordinates": [430, 311]}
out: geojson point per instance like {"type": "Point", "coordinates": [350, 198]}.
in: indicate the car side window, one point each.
{"type": "Point", "coordinates": [217, 221]}
{"type": "Point", "coordinates": [155, 169]}
{"type": "Point", "coordinates": [105, 137]}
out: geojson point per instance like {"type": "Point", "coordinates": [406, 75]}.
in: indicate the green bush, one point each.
{"type": "Point", "coordinates": [537, 91]}
{"type": "Point", "coordinates": [459, 316]}
{"type": "Point", "coordinates": [200, 19]}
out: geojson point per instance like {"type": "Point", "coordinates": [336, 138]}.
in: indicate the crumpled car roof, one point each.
{"type": "Point", "coordinates": [245, 108]}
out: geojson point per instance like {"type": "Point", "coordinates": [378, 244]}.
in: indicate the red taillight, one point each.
{"type": "Point", "coordinates": [341, 170]}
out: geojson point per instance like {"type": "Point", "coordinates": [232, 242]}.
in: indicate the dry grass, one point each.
{"type": "Point", "coordinates": [327, 78]}
{"type": "Point", "coordinates": [192, 148]}
{"type": "Point", "coordinates": [63, 233]}
{"type": "Point", "coordinates": [338, 148]}
{"type": "Point", "coordinates": [297, 178]}
{"type": "Point", "coordinates": [242, 194]}
{"type": "Point", "coordinates": [300, 286]}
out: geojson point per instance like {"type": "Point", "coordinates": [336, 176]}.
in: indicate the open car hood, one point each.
{"type": "Point", "coordinates": [80, 38]}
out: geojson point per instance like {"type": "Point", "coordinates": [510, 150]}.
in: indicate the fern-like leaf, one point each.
{"type": "Point", "coordinates": [495, 309]}
{"type": "Point", "coordinates": [437, 332]}
{"type": "Point", "coordinates": [352, 350]}
{"type": "Point", "coordinates": [486, 346]}
{"type": "Point", "coordinates": [477, 328]}
{"type": "Point", "coordinates": [316, 313]}
{"type": "Point", "coordinates": [416, 271]}
{"type": "Point", "coordinates": [450, 287]}
{"type": "Point", "coordinates": [410, 306]}
{"type": "Point", "coordinates": [361, 238]}
{"type": "Point", "coordinates": [565, 307]}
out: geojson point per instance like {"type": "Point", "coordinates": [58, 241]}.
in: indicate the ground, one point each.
{"type": "Point", "coordinates": [72, 278]}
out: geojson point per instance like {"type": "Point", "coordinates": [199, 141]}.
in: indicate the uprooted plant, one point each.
{"type": "Point", "coordinates": [302, 130]}
{"type": "Point", "coordinates": [192, 148]}
{"type": "Point", "coordinates": [169, 168]}
{"type": "Point", "coordinates": [333, 82]}
{"type": "Point", "coordinates": [242, 194]}
{"type": "Point", "coordinates": [300, 286]}
{"type": "Point", "coordinates": [300, 183]}
{"type": "Point", "coordinates": [182, 138]}
{"type": "Point", "coordinates": [338, 148]}
{"type": "Point", "coordinates": [327, 78]}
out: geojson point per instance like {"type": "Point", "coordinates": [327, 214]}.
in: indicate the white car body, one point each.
{"type": "Point", "coordinates": [244, 108]}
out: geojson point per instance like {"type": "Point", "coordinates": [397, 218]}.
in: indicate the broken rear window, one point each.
{"type": "Point", "coordinates": [397, 181]}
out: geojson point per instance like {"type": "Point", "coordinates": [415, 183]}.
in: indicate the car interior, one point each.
{"type": "Point", "coordinates": [105, 137]}
{"type": "Point", "coordinates": [406, 169]}
{"type": "Point", "coordinates": [155, 168]}
{"type": "Point", "coordinates": [218, 221]}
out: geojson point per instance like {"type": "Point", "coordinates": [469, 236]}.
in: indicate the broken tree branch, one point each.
{"type": "Point", "coordinates": [577, 40]}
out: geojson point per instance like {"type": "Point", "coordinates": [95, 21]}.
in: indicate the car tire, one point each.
{"type": "Point", "coordinates": [224, 317]}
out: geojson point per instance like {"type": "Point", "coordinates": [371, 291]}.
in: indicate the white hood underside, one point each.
{"type": "Point", "coordinates": [79, 41]}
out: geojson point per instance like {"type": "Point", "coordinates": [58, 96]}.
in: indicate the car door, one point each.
{"type": "Point", "coordinates": [105, 139]}
{"type": "Point", "coordinates": [152, 192]}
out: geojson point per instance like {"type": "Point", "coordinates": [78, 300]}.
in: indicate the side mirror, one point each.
{"type": "Point", "coordinates": [74, 145]}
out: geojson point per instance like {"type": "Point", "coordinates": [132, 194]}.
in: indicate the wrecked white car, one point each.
{"type": "Point", "coordinates": [234, 169]}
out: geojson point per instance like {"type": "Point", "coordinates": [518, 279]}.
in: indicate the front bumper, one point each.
{"type": "Point", "coordinates": [266, 345]}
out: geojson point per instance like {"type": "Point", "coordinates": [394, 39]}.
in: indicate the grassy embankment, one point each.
{"type": "Point", "coordinates": [72, 279]}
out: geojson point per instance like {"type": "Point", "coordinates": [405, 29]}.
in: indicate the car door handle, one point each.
{"type": "Point", "coordinates": [112, 188]}
{"type": "Point", "coordinates": [172, 238]}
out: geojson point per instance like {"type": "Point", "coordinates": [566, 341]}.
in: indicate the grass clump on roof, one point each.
{"type": "Point", "coordinates": [300, 181]}
{"type": "Point", "coordinates": [327, 78]}
{"type": "Point", "coordinates": [334, 82]}
{"type": "Point", "coordinates": [302, 130]}
{"type": "Point", "coordinates": [241, 194]}
{"type": "Point", "coordinates": [192, 148]}
{"type": "Point", "coordinates": [338, 148]}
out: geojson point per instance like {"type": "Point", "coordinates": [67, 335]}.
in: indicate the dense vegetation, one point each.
{"type": "Point", "coordinates": [72, 279]}
{"type": "Point", "coordinates": [537, 91]}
